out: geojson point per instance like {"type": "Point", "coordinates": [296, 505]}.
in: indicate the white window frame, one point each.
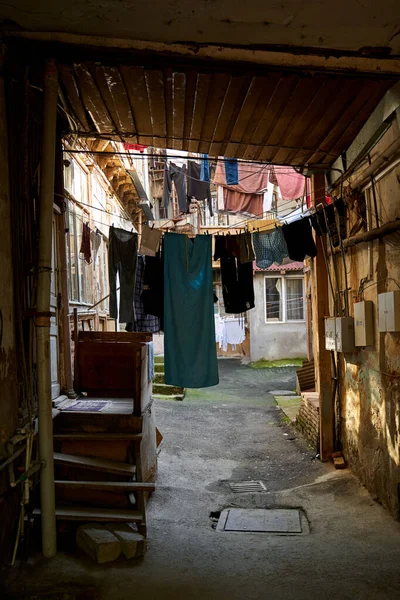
{"type": "Point", "coordinates": [283, 279]}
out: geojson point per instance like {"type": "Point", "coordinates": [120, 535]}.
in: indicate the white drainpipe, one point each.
{"type": "Point", "coordinates": [47, 492]}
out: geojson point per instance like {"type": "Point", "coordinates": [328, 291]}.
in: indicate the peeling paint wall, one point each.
{"type": "Point", "coordinates": [370, 378]}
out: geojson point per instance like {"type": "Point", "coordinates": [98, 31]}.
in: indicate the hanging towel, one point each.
{"type": "Point", "coordinates": [189, 342]}
{"type": "Point", "coordinates": [150, 241]}
{"type": "Point", "coordinates": [153, 287]}
{"type": "Point", "coordinates": [220, 198]}
{"type": "Point", "coordinates": [85, 243]}
{"type": "Point", "coordinates": [95, 238]}
{"type": "Point", "coordinates": [270, 248]}
{"type": "Point", "coordinates": [122, 260]}
{"type": "Point", "coordinates": [235, 333]}
{"type": "Point", "coordinates": [291, 184]}
{"type": "Point", "coordinates": [231, 171]}
{"type": "Point", "coordinates": [332, 227]}
{"type": "Point", "coordinates": [205, 168]}
{"type": "Point", "coordinates": [299, 239]}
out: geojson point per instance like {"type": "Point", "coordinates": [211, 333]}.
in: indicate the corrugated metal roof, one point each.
{"type": "Point", "coordinates": [266, 115]}
{"type": "Point", "coordinates": [293, 266]}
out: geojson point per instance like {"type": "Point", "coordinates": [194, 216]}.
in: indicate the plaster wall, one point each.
{"type": "Point", "coordinates": [273, 341]}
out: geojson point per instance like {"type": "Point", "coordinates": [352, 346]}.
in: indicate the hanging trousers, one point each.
{"type": "Point", "coordinates": [122, 259]}
{"type": "Point", "coordinates": [178, 176]}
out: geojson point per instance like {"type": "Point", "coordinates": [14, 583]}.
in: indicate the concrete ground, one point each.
{"type": "Point", "coordinates": [235, 432]}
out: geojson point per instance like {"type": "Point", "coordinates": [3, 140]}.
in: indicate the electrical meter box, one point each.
{"type": "Point", "coordinates": [345, 334]}
{"type": "Point", "coordinates": [330, 333]}
{"type": "Point", "coordinates": [364, 323]}
{"type": "Point", "coordinates": [389, 311]}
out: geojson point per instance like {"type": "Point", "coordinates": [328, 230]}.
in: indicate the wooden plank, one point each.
{"type": "Point", "coordinates": [320, 299]}
{"type": "Point", "coordinates": [84, 513]}
{"type": "Point", "coordinates": [117, 486]}
{"type": "Point", "coordinates": [101, 422]}
{"type": "Point", "coordinates": [115, 336]}
{"type": "Point", "coordinates": [190, 92]}
{"type": "Point", "coordinates": [256, 89]}
{"type": "Point", "coordinates": [155, 90]}
{"type": "Point", "coordinates": [92, 99]}
{"type": "Point", "coordinates": [112, 89]}
{"type": "Point", "coordinates": [135, 85]}
{"type": "Point", "coordinates": [218, 88]}
{"type": "Point", "coordinates": [234, 97]}
{"type": "Point", "coordinates": [198, 110]}
{"type": "Point", "coordinates": [96, 464]}
{"type": "Point", "coordinates": [68, 81]}
{"type": "Point", "coordinates": [178, 108]}
{"type": "Point", "coordinates": [107, 437]}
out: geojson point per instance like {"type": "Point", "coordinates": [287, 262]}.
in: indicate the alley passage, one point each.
{"type": "Point", "coordinates": [234, 432]}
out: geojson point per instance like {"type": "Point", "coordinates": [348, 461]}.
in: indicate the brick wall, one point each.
{"type": "Point", "coordinates": [308, 419]}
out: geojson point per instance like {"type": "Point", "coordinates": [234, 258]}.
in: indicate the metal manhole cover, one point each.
{"type": "Point", "coordinates": [260, 520]}
{"type": "Point", "coordinates": [247, 487]}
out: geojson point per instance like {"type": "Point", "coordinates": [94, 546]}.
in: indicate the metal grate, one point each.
{"type": "Point", "coordinates": [258, 520]}
{"type": "Point", "coordinates": [241, 487]}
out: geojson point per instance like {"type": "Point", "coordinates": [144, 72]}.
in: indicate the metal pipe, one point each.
{"type": "Point", "coordinates": [368, 236]}
{"type": "Point", "coordinates": [42, 322]}
{"type": "Point", "coordinates": [380, 162]}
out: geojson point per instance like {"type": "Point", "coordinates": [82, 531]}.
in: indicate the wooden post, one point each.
{"type": "Point", "coordinates": [320, 309]}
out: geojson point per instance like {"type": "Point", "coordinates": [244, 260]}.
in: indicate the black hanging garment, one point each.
{"type": "Point", "coordinates": [178, 176]}
{"type": "Point", "coordinates": [237, 277]}
{"type": "Point", "coordinates": [196, 188]}
{"type": "Point", "coordinates": [332, 227]}
{"type": "Point", "coordinates": [318, 223]}
{"type": "Point", "coordinates": [299, 239]}
{"type": "Point", "coordinates": [122, 259]}
{"type": "Point", "coordinates": [143, 321]}
{"type": "Point", "coordinates": [153, 287]}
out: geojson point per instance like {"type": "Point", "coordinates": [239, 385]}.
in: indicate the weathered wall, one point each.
{"type": "Point", "coordinates": [370, 378]}
{"type": "Point", "coordinates": [273, 341]}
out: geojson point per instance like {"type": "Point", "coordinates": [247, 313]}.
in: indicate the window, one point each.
{"type": "Point", "coordinates": [79, 271]}
{"type": "Point", "coordinates": [284, 299]}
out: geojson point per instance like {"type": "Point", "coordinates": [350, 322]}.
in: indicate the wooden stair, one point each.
{"type": "Point", "coordinates": [109, 486]}
{"type": "Point", "coordinates": [85, 513]}
{"type": "Point", "coordinates": [95, 464]}
{"type": "Point", "coordinates": [104, 437]}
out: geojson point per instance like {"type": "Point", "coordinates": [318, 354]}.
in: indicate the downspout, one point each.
{"type": "Point", "coordinates": [47, 491]}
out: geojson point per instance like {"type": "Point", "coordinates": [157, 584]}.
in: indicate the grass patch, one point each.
{"type": "Point", "coordinates": [272, 364]}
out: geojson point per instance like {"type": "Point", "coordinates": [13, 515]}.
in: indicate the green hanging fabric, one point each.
{"type": "Point", "coordinates": [189, 329]}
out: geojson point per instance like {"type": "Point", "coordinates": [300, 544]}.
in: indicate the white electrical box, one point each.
{"type": "Point", "coordinates": [389, 311]}
{"type": "Point", "coordinates": [345, 334]}
{"type": "Point", "coordinates": [330, 333]}
{"type": "Point", "coordinates": [364, 323]}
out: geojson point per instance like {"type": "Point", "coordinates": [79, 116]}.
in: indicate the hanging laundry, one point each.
{"type": "Point", "coordinates": [95, 238]}
{"type": "Point", "coordinates": [220, 198]}
{"type": "Point", "coordinates": [268, 197]}
{"type": "Point", "coordinates": [189, 343]}
{"type": "Point", "coordinates": [175, 174]}
{"type": "Point", "coordinates": [200, 190]}
{"type": "Point", "coordinates": [150, 241]}
{"type": "Point", "coordinates": [153, 287]}
{"type": "Point", "coordinates": [246, 251]}
{"type": "Point", "coordinates": [122, 260]}
{"type": "Point", "coordinates": [142, 322]}
{"type": "Point", "coordinates": [150, 361]}
{"type": "Point", "coordinates": [205, 168]}
{"type": "Point", "coordinates": [231, 171]}
{"type": "Point", "coordinates": [270, 248]}
{"type": "Point", "coordinates": [341, 211]}
{"type": "Point", "coordinates": [235, 333]}
{"type": "Point", "coordinates": [299, 239]}
{"type": "Point", "coordinates": [248, 195]}
{"type": "Point", "coordinates": [251, 204]}
{"type": "Point", "coordinates": [236, 277]}
{"type": "Point", "coordinates": [291, 184]}
{"type": "Point", "coordinates": [318, 223]}
{"type": "Point", "coordinates": [138, 147]}
{"type": "Point", "coordinates": [85, 243]}
{"type": "Point", "coordinates": [332, 227]}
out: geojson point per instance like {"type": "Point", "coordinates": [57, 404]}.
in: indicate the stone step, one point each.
{"type": "Point", "coordinates": [159, 359]}
{"type": "Point", "coordinates": [167, 390]}
{"type": "Point", "coordinates": [159, 367]}
{"type": "Point", "coordinates": [178, 397]}
{"type": "Point", "coordinates": [159, 378]}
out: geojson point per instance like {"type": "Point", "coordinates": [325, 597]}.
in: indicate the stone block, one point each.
{"type": "Point", "coordinates": [98, 542]}
{"type": "Point", "coordinates": [133, 545]}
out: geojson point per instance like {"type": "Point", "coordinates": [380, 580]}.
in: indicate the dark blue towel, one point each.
{"type": "Point", "coordinates": [204, 168]}
{"type": "Point", "coordinates": [231, 171]}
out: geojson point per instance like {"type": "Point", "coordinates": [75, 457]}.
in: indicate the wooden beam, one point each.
{"type": "Point", "coordinates": [320, 309]}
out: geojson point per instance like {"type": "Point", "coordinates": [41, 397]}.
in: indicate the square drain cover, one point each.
{"type": "Point", "coordinates": [247, 486]}
{"type": "Point", "coordinates": [272, 520]}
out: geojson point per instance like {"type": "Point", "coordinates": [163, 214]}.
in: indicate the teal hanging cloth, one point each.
{"type": "Point", "coordinates": [189, 329]}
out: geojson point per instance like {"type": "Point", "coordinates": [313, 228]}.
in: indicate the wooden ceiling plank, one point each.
{"type": "Point", "coordinates": [155, 89]}
{"type": "Point", "coordinates": [191, 82]}
{"type": "Point", "coordinates": [92, 100]}
{"type": "Point", "coordinates": [178, 108]}
{"type": "Point", "coordinates": [218, 89]}
{"type": "Point", "coordinates": [113, 92]}
{"type": "Point", "coordinates": [72, 95]}
{"type": "Point", "coordinates": [234, 97]}
{"type": "Point", "coordinates": [168, 105]}
{"type": "Point", "coordinates": [198, 110]}
{"type": "Point", "coordinates": [273, 110]}
{"type": "Point", "coordinates": [135, 85]}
